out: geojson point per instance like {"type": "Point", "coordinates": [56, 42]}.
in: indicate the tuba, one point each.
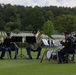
{"type": "Point", "coordinates": [38, 41]}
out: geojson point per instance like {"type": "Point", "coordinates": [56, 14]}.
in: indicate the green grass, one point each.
{"type": "Point", "coordinates": [34, 67]}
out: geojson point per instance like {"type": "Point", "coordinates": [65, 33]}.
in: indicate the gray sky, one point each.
{"type": "Point", "coordinates": [66, 3]}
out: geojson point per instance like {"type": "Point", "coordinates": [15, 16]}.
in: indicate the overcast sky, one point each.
{"type": "Point", "coordinates": [66, 3]}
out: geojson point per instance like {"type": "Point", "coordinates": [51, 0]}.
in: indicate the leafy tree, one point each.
{"type": "Point", "coordinates": [2, 23]}
{"type": "Point", "coordinates": [34, 17]}
{"type": "Point", "coordinates": [29, 28]}
{"type": "Point", "coordinates": [48, 15]}
{"type": "Point", "coordinates": [10, 13]}
{"type": "Point", "coordinates": [21, 16]}
{"type": "Point", "coordinates": [65, 22]}
{"type": "Point", "coordinates": [16, 31]}
{"type": "Point", "coordinates": [12, 25]}
{"type": "Point", "coordinates": [7, 29]}
{"type": "Point", "coordinates": [48, 28]}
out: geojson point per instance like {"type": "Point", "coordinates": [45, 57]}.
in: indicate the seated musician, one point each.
{"type": "Point", "coordinates": [10, 46]}
{"type": "Point", "coordinates": [36, 47]}
{"type": "Point", "coordinates": [2, 49]}
{"type": "Point", "coordinates": [68, 48]}
{"type": "Point", "coordinates": [74, 45]}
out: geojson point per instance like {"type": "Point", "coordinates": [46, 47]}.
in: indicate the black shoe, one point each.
{"type": "Point", "coordinates": [15, 57]}
{"type": "Point", "coordinates": [59, 62]}
{"type": "Point", "coordinates": [37, 57]}
{"type": "Point", "coordinates": [1, 58]}
{"type": "Point", "coordinates": [65, 62]}
{"type": "Point", "coordinates": [29, 58]}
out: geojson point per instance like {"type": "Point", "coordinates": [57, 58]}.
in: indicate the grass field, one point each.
{"type": "Point", "coordinates": [22, 66]}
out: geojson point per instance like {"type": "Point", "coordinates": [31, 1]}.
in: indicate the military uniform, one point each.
{"type": "Point", "coordinates": [3, 51]}
{"type": "Point", "coordinates": [68, 48]}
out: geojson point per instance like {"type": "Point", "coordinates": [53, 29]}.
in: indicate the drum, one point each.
{"type": "Point", "coordinates": [49, 54]}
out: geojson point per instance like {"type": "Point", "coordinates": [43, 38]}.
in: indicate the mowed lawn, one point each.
{"type": "Point", "coordinates": [21, 66]}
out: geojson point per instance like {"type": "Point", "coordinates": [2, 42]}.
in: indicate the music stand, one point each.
{"type": "Point", "coordinates": [18, 39]}
{"type": "Point", "coordinates": [46, 44]}
{"type": "Point", "coordinates": [30, 39]}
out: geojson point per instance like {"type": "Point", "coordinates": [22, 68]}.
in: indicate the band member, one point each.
{"type": "Point", "coordinates": [74, 46]}
{"type": "Point", "coordinates": [3, 51]}
{"type": "Point", "coordinates": [34, 47]}
{"type": "Point", "coordinates": [10, 46]}
{"type": "Point", "coordinates": [74, 49]}
{"type": "Point", "coordinates": [68, 48]}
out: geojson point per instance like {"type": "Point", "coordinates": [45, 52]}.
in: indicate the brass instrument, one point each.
{"type": "Point", "coordinates": [15, 45]}
{"type": "Point", "coordinates": [1, 42]}
{"type": "Point", "coordinates": [1, 39]}
{"type": "Point", "coordinates": [38, 41]}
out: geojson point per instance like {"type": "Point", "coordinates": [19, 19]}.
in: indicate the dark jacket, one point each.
{"type": "Point", "coordinates": [68, 44]}
{"type": "Point", "coordinates": [74, 46]}
{"type": "Point", "coordinates": [7, 42]}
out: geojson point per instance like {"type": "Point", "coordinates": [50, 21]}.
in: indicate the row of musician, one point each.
{"type": "Point", "coordinates": [9, 44]}
{"type": "Point", "coordinates": [69, 47]}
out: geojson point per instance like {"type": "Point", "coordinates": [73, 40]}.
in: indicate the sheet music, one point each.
{"type": "Point", "coordinates": [45, 42]}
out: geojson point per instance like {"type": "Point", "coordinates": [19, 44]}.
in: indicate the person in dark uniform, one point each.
{"type": "Point", "coordinates": [74, 45]}
{"type": "Point", "coordinates": [74, 49]}
{"type": "Point", "coordinates": [10, 46]}
{"type": "Point", "coordinates": [68, 48]}
{"type": "Point", "coordinates": [30, 48]}
{"type": "Point", "coordinates": [3, 51]}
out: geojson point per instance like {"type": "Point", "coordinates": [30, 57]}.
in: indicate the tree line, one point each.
{"type": "Point", "coordinates": [20, 18]}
